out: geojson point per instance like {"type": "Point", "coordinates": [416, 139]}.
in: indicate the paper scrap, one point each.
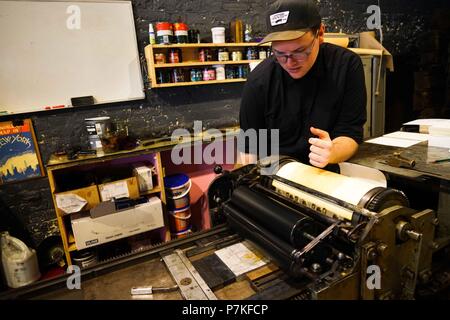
{"type": "Point", "coordinates": [362, 173]}
{"type": "Point", "coordinates": [70, 203]}
{"type": "Point", "coordinates": [241, 258]}
{"type": "Point", "coordinates": [395, 142]}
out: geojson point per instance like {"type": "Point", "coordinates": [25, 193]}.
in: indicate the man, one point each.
{"type": "Point", "coordinates": [313, 92]}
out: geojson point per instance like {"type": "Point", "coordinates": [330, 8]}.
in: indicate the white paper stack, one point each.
{"type": "Point", "coordinates": [440, 135]}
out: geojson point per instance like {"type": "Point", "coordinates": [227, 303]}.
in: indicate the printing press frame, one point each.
{"type": "Point", "coordinates": [399, 240]}
{"type": "Point", "coordinates": [342, 259]}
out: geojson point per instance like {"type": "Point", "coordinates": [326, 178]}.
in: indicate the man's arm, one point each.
{"type": "Point", "coordinates": [325, 151]}
{"type": "Point", "coordinates": [347, 132]}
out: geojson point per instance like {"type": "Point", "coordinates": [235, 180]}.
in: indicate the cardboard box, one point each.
{"type": "Point", "coordinates": [126, 188]}
{"type": "Point", "coordinates": [89, 232]}
{"type": "Point", "coordinates": [143, 175]}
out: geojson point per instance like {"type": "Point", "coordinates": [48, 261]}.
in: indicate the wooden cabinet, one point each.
{"type": "Point", "coordinates": [190, 53]}
{"type": "Point", "coordinates": [89, 178]}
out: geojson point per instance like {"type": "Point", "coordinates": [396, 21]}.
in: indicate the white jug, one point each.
{"type": "Point", "coordinates": [20, 263]}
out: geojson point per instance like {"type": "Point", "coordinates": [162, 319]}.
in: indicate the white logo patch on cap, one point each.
{"type": "Point", "coordinates": [279, 18]}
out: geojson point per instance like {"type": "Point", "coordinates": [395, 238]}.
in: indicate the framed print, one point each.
{"type": "Point", "coordinates": [19, 154]}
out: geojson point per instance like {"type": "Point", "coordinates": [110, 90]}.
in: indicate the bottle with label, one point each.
{"type": "Point", "coordinates": [248, 33]}
{"type": "Point", "coordinates": [151, 34]}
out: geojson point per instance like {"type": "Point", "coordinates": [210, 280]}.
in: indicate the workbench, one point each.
{"type": "Point", "coordinates": [424, 172]}
{"type": "Point", "coordinates": [113, 280]}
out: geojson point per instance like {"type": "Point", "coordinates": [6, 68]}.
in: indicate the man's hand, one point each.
{"type": "Point", "coordinates": [321, 148]}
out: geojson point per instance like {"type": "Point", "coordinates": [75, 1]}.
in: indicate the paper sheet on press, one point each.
{"type": "Point", "coordinates": [70, 203]}
{"type": "Point", "coordinates": [241, 258]}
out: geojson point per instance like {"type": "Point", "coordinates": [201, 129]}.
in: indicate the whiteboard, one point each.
{"type": "Point", "coordinates": [52, 51]}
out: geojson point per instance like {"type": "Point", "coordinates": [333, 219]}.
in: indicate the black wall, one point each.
{"type": "Point", "coordinates": [165, 109]}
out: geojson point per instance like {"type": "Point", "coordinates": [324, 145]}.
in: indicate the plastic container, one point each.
{"type": "Point", "coordinates": [160, 58]}
{"type": "Point", "coordinates": [220, 71]}
{"type": "Point", "coordinates": [180, 220]}
{"type": "Point", "coordinates": [181, 32]}
{"type": "Point", "coordinates": [164, 33]}
{"type": "Point", "coordinates": [209, 74]}
{"type": "Point", "coordinates": [151, 34]}
{"type": "Point", "coordinates": [194, 36]}
{"type": "Point", "coordinates": [85, 258]}
{"type": "Point", "coordinates": [223, 55]}
{"type": "Point", "coordinates": [181, 234]}
{"type": "Point", "coordinates": [236, 56]}
{"type": "Point", "coordinates": [20, 263]}
{"type": "Point", "coordinates": [218, 34]}
{"type": "Point", "coordinates": [98, 126]}
{"type": "Point", "coordinates": [175, 55]}
{"type": "Point", "coordinates": [178, 187]}
{"type": "Point", "coordinates": [177, 184]}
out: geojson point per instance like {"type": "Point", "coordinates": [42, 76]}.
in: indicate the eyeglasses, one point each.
{"type": "Point", "coordinates": [296, 55]}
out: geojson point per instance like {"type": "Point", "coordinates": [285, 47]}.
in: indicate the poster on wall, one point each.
{"type": "Point", "coordinates": [19, 154]}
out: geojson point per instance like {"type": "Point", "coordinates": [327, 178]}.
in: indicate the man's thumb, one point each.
{"type": "Point", "coordinates": [322, 134]}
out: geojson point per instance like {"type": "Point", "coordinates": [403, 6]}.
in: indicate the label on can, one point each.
{"type": "Point", "coordinates": [223, 56]}
{"type": "Point", "coordinates": [236, 56]}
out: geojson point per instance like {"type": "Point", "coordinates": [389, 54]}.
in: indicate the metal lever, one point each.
{"type": "Point", "coordinates": [151, 290]}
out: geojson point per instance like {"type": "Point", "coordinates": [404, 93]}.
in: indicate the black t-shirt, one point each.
{"type": "Point", "coordinates": [331, 97]}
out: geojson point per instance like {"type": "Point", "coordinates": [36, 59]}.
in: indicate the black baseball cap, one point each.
{"type": "Point", "coordinates": [291, 19]}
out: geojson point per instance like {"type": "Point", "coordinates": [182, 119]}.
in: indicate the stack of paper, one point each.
{"type": "Point", "coordinates": [440, 135]}
{"type": "Point", "coordinates": [400, 139]}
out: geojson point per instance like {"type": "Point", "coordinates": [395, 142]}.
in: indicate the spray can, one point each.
{"type": "Point", "coordinates": [248, 33]}
{"type": "Point", "coordinates": [151, 34]}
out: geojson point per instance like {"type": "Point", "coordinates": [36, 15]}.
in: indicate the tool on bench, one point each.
{"type": "Point", "coordinates": [151, 290]}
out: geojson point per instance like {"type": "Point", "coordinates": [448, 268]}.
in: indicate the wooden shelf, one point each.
{"type": "Point", "coordinates": [199, 63]}
{"type": "Point", "coordinates": [65, 169]}
{"type": "Point", "coordinates": [72, 247]}
{"type": "Point", "coordinates": [154, 190]}
{"type": "Point", "coordinates": [191, 58]}
{"type": "Point", "coordinates": [71, 243]}
{"type": "Point", "coordinates": [194, 83]}
{"type": "Point", "coordinates": [208, 45]}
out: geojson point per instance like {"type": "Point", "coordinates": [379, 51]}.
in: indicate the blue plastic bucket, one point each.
{"type": "Point", "coordinates": [177, 187]}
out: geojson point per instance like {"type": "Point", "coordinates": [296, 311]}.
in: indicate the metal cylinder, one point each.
{"type": "Point", "coordinates": [288, 224]}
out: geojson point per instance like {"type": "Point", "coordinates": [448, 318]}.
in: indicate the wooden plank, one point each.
{"type": "Point", "coordinates": [196, 83]}
{"type": "Point", "coordinates": [206, 45]}
{"type": "Point", "coordinates": [215, 273]}
{"type": "Point", "coordinates": [235, 291]}
{"type": "Point", "coordinates": [261, 272]}
{"type": "Point", "coordinates": [200, 63]}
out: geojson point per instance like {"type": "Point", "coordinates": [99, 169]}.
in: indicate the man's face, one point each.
{"type": "Point", "coordinates": [298, 56]}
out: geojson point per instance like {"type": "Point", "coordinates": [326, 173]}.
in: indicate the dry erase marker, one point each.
{"type": "Point", "coordinates": [54, 107]}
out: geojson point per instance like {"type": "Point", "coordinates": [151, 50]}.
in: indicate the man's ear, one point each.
{"type": "Point", "coordinates": [321, 34]}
